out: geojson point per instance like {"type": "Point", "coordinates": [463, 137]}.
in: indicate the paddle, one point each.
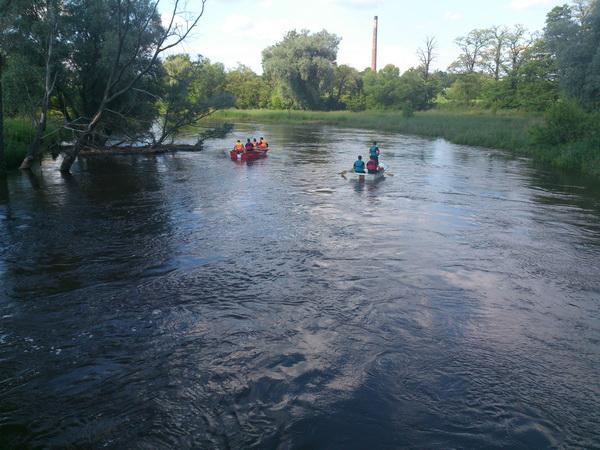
{"type": "Point", "coordinates": [385, 170]}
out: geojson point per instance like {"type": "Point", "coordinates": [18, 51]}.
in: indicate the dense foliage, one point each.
{"type": "Point", "coordinates": [97, 66]}
{"type": "Point", "coordinates": [303, 63]}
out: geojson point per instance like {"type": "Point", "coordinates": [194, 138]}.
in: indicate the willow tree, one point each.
{"type": "Point", "coordinates": [129, 51]}
{"type": "Point", "coordinates": [303, 64]}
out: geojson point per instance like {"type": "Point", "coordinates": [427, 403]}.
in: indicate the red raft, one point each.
{"type": "Point", "coordinates": [250, 155]}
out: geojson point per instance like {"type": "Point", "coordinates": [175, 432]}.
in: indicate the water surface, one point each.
{"type": "Point", "coordinates": [187, 300]}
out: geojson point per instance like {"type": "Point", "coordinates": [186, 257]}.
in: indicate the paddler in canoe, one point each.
{"type": "Point", "coordinates": [262, 143]}
{"type": "Point", "coordinates": [359, 165]}
{"type": "Point", "coordinates": [238, 146]}
{"type": "Point", "coordinates": [373, 166]}
{"type": "Point", "coordinates": [374, 152]}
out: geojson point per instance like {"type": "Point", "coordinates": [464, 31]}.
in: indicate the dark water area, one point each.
{"type": "Point", "coordinates": [189, 301]}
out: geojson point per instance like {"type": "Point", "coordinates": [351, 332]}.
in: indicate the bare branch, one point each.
{"type": "Point", "coordinates": [427, 55]}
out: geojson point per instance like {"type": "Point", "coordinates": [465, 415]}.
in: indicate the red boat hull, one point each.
{"type": "Point", "coordinates": [248, 156]}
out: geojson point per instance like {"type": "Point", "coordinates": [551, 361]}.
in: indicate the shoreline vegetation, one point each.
{"type": "Point", "coordinates": [18, 135]}
{"type": "Point", "coordinates": [516, 132]}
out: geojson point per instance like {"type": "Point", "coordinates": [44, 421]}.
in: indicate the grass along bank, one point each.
{"type": "Point", "coordinates": [18, 134]}
{"type": "Point", "coordinates": [505, 131]}
{"type": "Point", "coordinates": [512, 131]}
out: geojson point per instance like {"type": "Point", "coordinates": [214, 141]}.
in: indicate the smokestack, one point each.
{"type": "Point", "coordinates": [374, 52]}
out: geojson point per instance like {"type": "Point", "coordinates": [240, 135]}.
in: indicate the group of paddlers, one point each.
{"type": "Point", "coordinates": [372, 164]}
{"type": "Point", "coordinates": [251, 146]}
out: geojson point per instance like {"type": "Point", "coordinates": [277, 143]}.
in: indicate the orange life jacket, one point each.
{"type": "Point", "coordinates": [263, 144]}
{"type": "Point", "coordinates": [238, 146]}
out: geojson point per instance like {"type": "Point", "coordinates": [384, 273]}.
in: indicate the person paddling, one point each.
{"type": "Point", "coordinates": [359, 165]}
{"type": "Point", "coordinates": [249, 146]}
{"type": "Point", "coordinates": [374, 152]}
{"type": "Point", "coordinates": [263, 143]}
{"type": "Point", "coordinates": [238, 147]}
{"type": "Point", "coordinates": [372, 166]}
{"type": "Point", "coordinates": [255, 144]}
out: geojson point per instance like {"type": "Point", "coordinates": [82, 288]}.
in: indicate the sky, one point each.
{"type": "Point", "coordinates": [236, 31]}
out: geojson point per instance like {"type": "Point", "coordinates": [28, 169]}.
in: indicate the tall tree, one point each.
{"type": "Point", "coordinates": [518, 41]}
{"type": "Point", "coordinates": [347, 83]}
{"type": "Point", "coordinates": [383, 88]}
{"type": "Point", "coordinates": [426, 56]}
{"type": "Point", "coordinates": [49, 23]}
{"type": "Point", "coordinates": [495, 56]}
{"type": "Point", "coordinates": [582, 10]}
{"type": "Point", "coordinates": [131, 49]}
{"type": "Point", "coordinates": [472, 48]}
{"type": "Point", "coordinates": [303, 63]}
{"type": "Point", "coordinates": [573, 38]}
{"type": "Point", "coordinates": [249, 89]}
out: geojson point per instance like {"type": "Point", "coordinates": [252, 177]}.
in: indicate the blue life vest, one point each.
{"type": "Point", "coordinates": [359, 166]}
{"type": "Point", "coordinates": [373, 151]}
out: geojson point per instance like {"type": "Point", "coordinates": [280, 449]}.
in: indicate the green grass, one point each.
{"type": "Point", "coordinates": [581, 156]}
{"type": "Point", "coordinates": [18, 134]}
{"type": "Point", "coordinates": [510, 131]}
{"type": "Point", "coordinates": [505, 131]}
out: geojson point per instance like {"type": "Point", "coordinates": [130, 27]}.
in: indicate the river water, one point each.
{"type": "Point", "coordinates": [189, 301]}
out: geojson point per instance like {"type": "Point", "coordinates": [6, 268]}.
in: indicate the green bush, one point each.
{"type": "Point", "coordinates": [564, 122]}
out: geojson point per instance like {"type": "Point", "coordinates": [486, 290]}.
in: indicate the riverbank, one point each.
{"type": "Point", "coordinates": [511, 131]}
{"type": "Point", "coordinates": [18, 134]}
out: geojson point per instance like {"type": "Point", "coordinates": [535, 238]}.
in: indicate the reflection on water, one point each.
{"type": "Point", "coordinates": [189, 301]}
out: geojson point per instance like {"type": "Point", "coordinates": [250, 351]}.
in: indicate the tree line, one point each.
{"type": "Point", "coordinates": [100, 67]}
{"type": "Point", "coordinates": [497, 67]}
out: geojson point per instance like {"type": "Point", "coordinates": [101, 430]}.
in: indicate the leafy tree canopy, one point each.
{"type": "Point", "coordinates": [303, 63]}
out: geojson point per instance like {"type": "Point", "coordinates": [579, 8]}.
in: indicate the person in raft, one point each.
{"type": "Point", "coordinates": [249, 146]}
{"type": "Point", "coordinates": [262, 143]}
{"type": "Point", "coordinates": [238, 147]}
{"type": "Point", "coordinates": [374, 152]}
{"type": "Point", "coordinates": [372, 166]}
{"type": "Point", "coordinates": [255, 143]}
{"type": "Point", "coordinates": [359, 165]}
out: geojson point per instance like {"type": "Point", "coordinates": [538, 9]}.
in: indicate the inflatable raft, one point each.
{"type": "Point", "coordinates": [249, 155]}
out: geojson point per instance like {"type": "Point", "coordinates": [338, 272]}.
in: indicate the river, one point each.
{"type": "Point", "coordinates": [189, 301]}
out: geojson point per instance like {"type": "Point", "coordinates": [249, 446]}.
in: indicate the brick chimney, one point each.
{"type": "Point", "coordinates": [374, 51]}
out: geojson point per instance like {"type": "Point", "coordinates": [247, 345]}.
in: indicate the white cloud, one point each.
{"type": "Point", "coordinates": [453, 15]}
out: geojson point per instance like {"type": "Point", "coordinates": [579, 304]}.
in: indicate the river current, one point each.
{"type": "Point", "coordinates": [189, 301]}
